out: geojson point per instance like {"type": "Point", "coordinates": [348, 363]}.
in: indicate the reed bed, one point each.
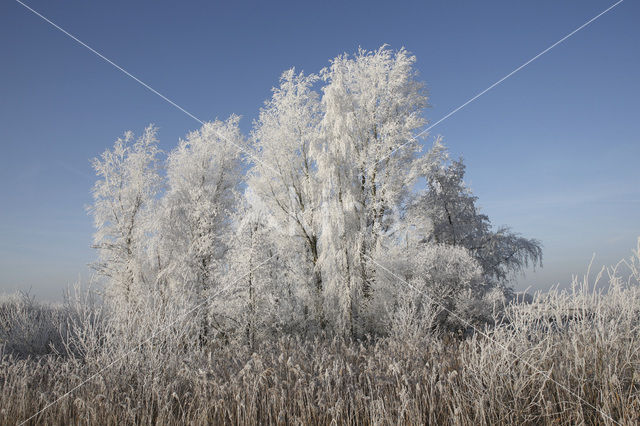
{"type": "Point", "coordinates": [569, 357]}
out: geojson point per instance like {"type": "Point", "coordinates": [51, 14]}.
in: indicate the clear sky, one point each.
{"type": "Point", "coordinates": [553, 152]}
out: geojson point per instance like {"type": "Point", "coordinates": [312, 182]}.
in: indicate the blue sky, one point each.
{"type": "Point", "coordinates": [553, 152]}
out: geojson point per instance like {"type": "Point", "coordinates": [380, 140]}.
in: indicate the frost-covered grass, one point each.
{"type": "Point", "coordinates": [570, 357]}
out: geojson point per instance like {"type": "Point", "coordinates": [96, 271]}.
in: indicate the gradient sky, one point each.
{"type": "Point", "coordinates": [553, 152]}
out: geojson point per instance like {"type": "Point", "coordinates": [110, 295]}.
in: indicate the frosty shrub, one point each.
{"type": "Point", "coordinates": [442, 288]}
{"type": "Point", "coordinates": [29, 328]}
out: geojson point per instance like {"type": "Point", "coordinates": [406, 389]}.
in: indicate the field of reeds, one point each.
{"type": "Point", "coordinates": [569, 357]}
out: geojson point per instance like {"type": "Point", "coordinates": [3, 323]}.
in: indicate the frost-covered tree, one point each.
{"type": "Point", "coordinates": [373, 106]}
{"type": "Point", "coordinates": [204, 173]}
{"type": "Point", "coordinates": [284, 179]}
{"type": "Point", "coordinates": [446, 213]}
{"type": "Point", "coordinates": [124, 197]}
{"type": "Point", "coordinates": [263, 296]}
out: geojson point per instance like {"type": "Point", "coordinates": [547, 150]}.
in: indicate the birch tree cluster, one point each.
{"type": "Point", "coordinates": [330, 217]}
